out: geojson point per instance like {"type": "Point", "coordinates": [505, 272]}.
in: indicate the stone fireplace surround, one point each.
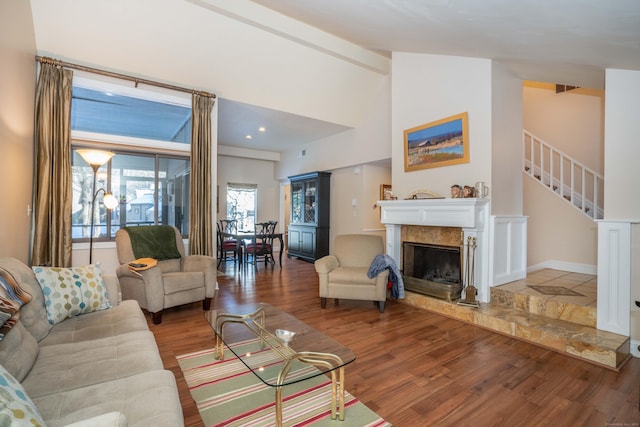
{"type": "Point", "coordinates": [471, 216]}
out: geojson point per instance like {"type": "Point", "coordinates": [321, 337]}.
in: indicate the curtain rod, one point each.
{"type": "Point", "coordinates": [136, 80]}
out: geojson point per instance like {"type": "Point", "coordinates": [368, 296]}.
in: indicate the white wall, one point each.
{"type": "Point", "coordinates": [557, 233]}
{"type": "Point", "coordinates": [354, 193]}
{"type": "Point", "coordinates": [239, 50]}
{"type": "Point", "coordinates": [635, 290]}
{"type": "Point", "coordinates": [506, 148]}
{"type": "Point", "coordinates": [622, 151]}
{"type": "Point", "coordinates": [17, 94]}
{"type": "Point", "coordinates": [426, 88]}
{"type": "Point", "coordinates": [431, 87]}
{"type": "Point", "coordinates": [346, 187]}
{"type": "Point", "coordinates": [622, 147]}
{"type": "Point", "coordinates": [368, 142]}
{"type": "Point", "coordinates": [573, 122]}
{"type": "Point", "coordinates": [373, 176]}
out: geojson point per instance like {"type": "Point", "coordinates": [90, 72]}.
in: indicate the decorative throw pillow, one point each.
{"type": "Point", "coordinates": [12, 297]}
{"type": "Point", "coordinates": [16, 407]}
{"type": "Point", "coordinates": [72, 291]}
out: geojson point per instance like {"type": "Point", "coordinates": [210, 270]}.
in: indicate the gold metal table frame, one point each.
{"type": "Point", "coordinates": [256, 323]}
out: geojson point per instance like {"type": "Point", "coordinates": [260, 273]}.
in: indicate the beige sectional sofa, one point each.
{"type": "Point", "coordinates": [95, 369]}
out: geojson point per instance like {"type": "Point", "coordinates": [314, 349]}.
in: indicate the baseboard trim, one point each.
{"type": "Point", "coordinates": [565, 266]}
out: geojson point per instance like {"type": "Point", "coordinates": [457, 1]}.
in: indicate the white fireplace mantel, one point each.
{"type": "Point", "coordinates": [472, 215]}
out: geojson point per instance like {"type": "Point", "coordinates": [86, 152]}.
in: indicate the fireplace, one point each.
{"type": "Point", "coordinates": [470, 217]}
{"type": "Point", "coordinates": [433, 270]}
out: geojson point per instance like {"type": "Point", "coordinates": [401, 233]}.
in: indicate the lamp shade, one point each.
{"type": "Point", "coordinates": [95, 158]}
{"type": "Point", "coordinates": [110, 201]}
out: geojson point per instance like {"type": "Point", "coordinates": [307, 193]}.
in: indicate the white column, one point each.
{"type": "Point", "coordinates": [394, 245]}
{"type": "Point", "coordinates": [614, 276]}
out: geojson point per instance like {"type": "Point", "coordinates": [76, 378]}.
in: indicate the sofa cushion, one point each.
{"type": "Point", "coordinates": [16, 408]}
{"type": "Point", "coordinates": [147, 399]}
{"type": "Point", "coordinates": [109, 419]}
{"type": "Point", "coordinates": [71, 291]}
{"type": "Point", "coordinates": [62, 367]}
{"type": "Point", "coordinates": [18, 352]}
{"type": "Point", "coordinates": [12, 297]}
{"type": "Point", "coordinates": [32, 315]}
{"type": "Point", "coordinates": [126, 317]}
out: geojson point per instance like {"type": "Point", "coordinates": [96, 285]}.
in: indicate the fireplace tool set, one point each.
{"type": "Point", "coordinates": [470, 291]}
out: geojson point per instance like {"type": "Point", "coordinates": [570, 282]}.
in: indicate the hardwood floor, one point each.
{"type": "Point", "coordinates": [415, 367]}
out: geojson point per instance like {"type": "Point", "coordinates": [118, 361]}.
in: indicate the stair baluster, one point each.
{"type": "Point", "coordinates": [583, 188]}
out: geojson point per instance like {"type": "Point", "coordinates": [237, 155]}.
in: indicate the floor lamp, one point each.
{"type": "Point", "coordinates": [95, 159]}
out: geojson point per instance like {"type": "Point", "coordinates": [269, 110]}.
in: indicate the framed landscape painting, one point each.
{"type": "Point", "coordinates": [441, 143]}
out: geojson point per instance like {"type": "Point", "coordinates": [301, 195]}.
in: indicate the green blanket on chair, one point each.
{"type": "Point", "coordinates": [153, 241]}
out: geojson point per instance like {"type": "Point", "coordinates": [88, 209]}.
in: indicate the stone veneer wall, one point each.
{"type": "Point", "coordinates": [445, 236]}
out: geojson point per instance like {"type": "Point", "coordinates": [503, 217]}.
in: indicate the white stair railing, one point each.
{"type": "Point", "coordinates": [569, 179]}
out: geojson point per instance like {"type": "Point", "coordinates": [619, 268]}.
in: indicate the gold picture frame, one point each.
{"type": "Point", "coordinates": [444, 142]}
{"type": "Point", "coordinates": [385, 192]}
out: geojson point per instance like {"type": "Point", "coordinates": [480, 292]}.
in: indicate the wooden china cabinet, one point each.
{"type": "Point", "coordinates": [309, 226]}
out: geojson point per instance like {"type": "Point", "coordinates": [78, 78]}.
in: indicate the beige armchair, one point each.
{"type": "Point", "coordinates": [176, 279]}
{"type": "Point", "coordinates": [343, 273]}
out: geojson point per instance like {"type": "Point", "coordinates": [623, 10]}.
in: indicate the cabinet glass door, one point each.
{"type": "Point", "coordinates": [310, 202]}
{"type": "Point", "coordinates": [297, 202]}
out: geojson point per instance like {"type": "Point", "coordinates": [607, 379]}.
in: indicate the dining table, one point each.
{"type": "Point", "coordinates": [252, 236]}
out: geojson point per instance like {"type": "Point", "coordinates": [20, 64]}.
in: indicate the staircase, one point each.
{"type": "Point", "coordinates": [561, 323]}
{"type": "Point", "coordinates": [570, 180]}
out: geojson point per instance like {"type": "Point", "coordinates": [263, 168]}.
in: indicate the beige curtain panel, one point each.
{"type": "Point", "coordinates": [200, 213]}
{"type": "Point", "coordinates": [52, 187]}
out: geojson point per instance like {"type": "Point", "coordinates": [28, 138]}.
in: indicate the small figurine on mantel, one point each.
{"type": "Point", "coordinates": [456, 191]}
{"type": "Point", "coordinates": [468, 191]}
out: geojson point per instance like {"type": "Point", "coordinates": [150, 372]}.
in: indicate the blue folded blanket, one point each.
{"type": "Point", "coordinates": [385, 262]}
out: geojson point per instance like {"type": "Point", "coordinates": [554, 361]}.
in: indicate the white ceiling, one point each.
{"type": "Point", "coordinates": [283, 131]}
{"type": "Point", "coordinates": [558, 41]}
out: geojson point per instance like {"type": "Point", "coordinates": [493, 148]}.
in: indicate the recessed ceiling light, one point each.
{"type": "Point", "coordinates": [262, 129]}
{"type": "Point", "coordinates": [248, 137]}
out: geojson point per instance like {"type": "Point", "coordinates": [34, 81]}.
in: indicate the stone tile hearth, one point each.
{"type": "Point", "coordinates": [559, 322]}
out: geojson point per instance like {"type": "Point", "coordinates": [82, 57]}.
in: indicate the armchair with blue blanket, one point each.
{"type": "Point", "coordinates": [176, 279]}
{"type": "Point", "coordinates": [343, 273]}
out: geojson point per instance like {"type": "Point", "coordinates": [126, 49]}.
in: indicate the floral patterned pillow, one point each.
{"type": "Point", "coordinates": [72, 291]}
{"type": "Point", "coordinates": [16, 407]}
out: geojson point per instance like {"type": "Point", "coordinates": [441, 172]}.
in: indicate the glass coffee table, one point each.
{"type": "Point", "coordinates": [284, 342]}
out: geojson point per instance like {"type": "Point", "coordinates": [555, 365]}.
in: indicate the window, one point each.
{"type": "Point", "coordinates": [99, 108]}
{"type": "Point", "coordinates": [241, 204]}
{"type": "Point", "coordinates": [150, 132]}
{"type": "Point", "coordinates": [152, 189]}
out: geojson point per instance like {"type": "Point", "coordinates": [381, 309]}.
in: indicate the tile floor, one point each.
{"type": "Point", "coordinates": [584, 284]}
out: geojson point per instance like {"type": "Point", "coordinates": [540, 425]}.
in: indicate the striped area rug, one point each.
{"type": "Point", "coordinates": [228, 394]}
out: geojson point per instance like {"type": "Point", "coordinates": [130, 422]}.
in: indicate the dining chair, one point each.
{"type": "Point", "coordinates": [262, 246]}
{"type": "Point", "coordinates": [227, 246]}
